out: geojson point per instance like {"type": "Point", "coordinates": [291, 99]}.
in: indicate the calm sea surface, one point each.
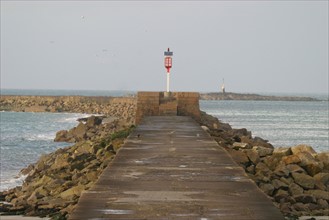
{"type": "Point", "coordinates": [27, 136]}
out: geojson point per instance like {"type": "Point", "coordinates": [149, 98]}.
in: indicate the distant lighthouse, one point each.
{"type": "Point", "coordinates": [223, 87]}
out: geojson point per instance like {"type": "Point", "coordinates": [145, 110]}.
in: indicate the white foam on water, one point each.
{"type": "Point", "coordinates": [6, 184]}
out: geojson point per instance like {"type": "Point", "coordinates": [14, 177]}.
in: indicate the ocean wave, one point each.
{"type": "Point", "coordinates": [40, 137]}
{"type": "Point", "coordinates": [9, 183]}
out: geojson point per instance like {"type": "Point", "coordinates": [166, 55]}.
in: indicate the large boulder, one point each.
{"type": "Point", "coordinates": [94, 121]}
{"type": "Point", "coordinates": [291, 159]}
{"type": "Point", "coordinates": [282, 151]}
{"type": "Point", "coordinates": [239, 156]}
{"type": "Point", "coordinates": [309, 163]}
{"type": "Point", "coordinates": [319, 194]}
{"type": "Point", "coordinates": [323, 158]}
{"type": "Point", "coordinates": [263, 151]}
{"type": "Point", "coordinates": [239, 145]}
{"type": "Point", "coordinates": [79, 132]}
{"type": "Point", "coordinates": [61, 136]}
{"type": "Point", "coordinates": [305, 181]}
{"type": "Point", "coordinates": [295, 189]}
{"type": "Point", "coordinates": [323, 178]}
{"type": "Point", "coordinates": [302, 149]}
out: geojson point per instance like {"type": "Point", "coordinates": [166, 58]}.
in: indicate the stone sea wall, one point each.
{"type": "Point", "coordinates": [295, 178]}
{"type": "Point", "coordinates": [119, 107]}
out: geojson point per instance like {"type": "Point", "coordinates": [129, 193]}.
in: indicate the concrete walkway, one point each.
{"type": "Point", "coordinates": [169, 168]}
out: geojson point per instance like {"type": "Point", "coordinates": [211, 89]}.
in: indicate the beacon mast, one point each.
{"type": "Point", "coordinates": [168, 64]}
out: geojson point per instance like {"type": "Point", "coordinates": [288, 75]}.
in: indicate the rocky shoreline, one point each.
{"type": "Point", "coordinates": [252, 97]}
{"type": "Point", "coordinates": [54, 184]}
{"type": "Point", "coordinates": [295, 178]}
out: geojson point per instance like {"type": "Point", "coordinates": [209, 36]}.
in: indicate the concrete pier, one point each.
{"type": "Point", "coordinates": [169, 168]}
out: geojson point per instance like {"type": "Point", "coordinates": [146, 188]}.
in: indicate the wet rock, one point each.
{"type": "Point", "coordinates": [61, 136]}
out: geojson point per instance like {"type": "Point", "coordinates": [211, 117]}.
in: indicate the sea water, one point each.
{"type": "Point", "coordinates": [27, 136]}
{"type": "Point", "coordinates": [283, 123]}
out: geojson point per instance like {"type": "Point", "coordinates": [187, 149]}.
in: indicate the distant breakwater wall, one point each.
{"type": "Point", "coordinates": [253, 97]}
{"type": "Point", "coordinates": [119, 107]}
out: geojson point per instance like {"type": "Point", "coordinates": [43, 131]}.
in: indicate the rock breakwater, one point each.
{"type": "Point", "coordinates": [295, 178]}
{"type": "Point", "coordinates": [119, 107]}
{"type": "Point", "coordinates": [255, 97]}
{"type": "Point", "coordinates": [54, 184]}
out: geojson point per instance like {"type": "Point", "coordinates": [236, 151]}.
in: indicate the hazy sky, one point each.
{"type": "Point", "coordinates": [270, 46]}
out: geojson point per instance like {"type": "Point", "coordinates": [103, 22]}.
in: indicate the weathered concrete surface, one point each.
{"type": "Point", "coordinates": [169, 168]}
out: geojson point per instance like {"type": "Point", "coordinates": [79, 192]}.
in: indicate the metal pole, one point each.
{"type": "Point", "coordinates": [168, 81]}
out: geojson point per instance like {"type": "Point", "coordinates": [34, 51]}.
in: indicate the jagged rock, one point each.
{"type": "Point", "coordinates": [305, 181]}
{"type": "Point", "coordinates": [308, 162]}
{"type": "Point", "coordinates": [35, 196]}
{"type": "Point", "coordinates": [74, 191]}
{"type": "Point", "coordinates": [295, 189]}
{"type": "Point", "coordinates": [94, 121]}
{"type": "Point", "coordinates": [281, 196]}
{"type": "Point", "coordinates": [287, 180]}
{"type": "Point", "coordinates": [267, 188]}
{"type": "Point", "coordinates": [239, 156]}
{"type": "Point", "coordinates": [322, 177]}
{"type": "Point", "coordinates": [263, 151]}
{"type": "Point", "coordinates": [279, 184]}
{"type": "Point", "coordinates": [293, 168]}
{"type": "Point", "coordinates": [323, 158]}
{"type": "Point", "coordinates": [80, 132]}
{"type": "Point", "coordinates": [302, 149]}
{"type": "Point", "coordinates": [240, 132]}
{"type": "Point", "coordinates": [61, 136]}
{"type": "Point", "coordinates": [272, 161]}
{"type": "Point", "coordinates": [305, 198]}
{"type": "Point", "coordinates": [281, 170]}
{"type": "Point", "coordinates": [318, 194]}
{"type": "Point", "coordinates": [291, 159]}
{"type": "Point", "coordinates": [238, 145]}
{"type": "Point", "coordinates": [323, 203]}
{"type": "Point", "coordinates": [253, 156]}
{"type": "Point", "coordinates": [281, 151]}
